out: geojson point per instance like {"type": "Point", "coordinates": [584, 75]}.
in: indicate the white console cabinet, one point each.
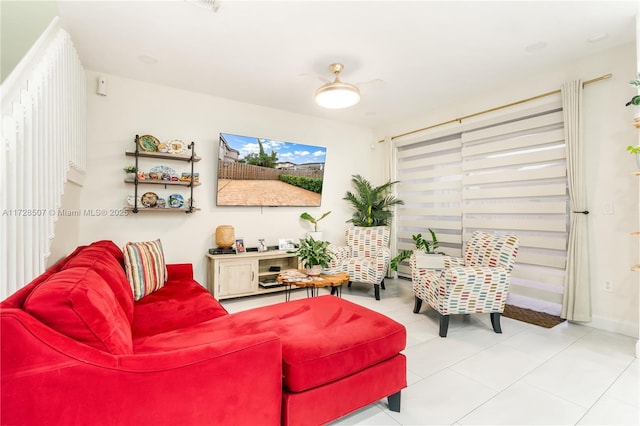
{"type": "Point", "coordinates": [246, 274]}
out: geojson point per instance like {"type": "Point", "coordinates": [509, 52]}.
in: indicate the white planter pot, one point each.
{"type": "Point", "coordinates": [314, 270]}
{"type": "Point", "coordinates": [428, 261]}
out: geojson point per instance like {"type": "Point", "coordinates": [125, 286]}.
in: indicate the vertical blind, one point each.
{"type": "Point", "coordinates": [43, 136]}
{"type": "Point", "coordinates": [503, 175]}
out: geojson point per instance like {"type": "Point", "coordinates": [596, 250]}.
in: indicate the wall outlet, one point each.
{"type": "Point", "coordinates": [607, 208]}
{"type": "Point", "coordinates": [608, 286]}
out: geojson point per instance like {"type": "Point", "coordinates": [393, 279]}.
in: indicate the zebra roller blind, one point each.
{"type": "Point", "coordinates": [504, 175]}
{"type": "Point", "coordinates": [430, 175]}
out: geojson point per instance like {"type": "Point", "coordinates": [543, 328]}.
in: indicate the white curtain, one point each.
{"type": "Point", "coordinates": [576, 303]}
{"type": "Point", "coordinates": [388, 174]}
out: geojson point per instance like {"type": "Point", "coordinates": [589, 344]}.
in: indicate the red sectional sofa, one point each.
{"type": "Point", "coordinates": [77, 349]}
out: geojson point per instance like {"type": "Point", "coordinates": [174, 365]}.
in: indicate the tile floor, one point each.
{"type": "Point", "coordinates": [570, 374]}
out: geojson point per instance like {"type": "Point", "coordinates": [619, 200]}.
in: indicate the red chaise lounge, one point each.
{"type": "Point", "coordinates": [77, 349]}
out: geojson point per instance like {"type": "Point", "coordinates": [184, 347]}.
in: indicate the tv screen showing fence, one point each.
{"type": "Point", "coordinates": [265, 172]}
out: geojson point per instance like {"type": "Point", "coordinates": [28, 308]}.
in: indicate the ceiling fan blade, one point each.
{"type": "Point", "coordinates": [374, 82]}
{"type": "Point", "coordinates": [315, 76]}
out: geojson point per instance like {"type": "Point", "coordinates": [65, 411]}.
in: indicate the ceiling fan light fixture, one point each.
{"type": "Point", "coordinates": [337, 95]}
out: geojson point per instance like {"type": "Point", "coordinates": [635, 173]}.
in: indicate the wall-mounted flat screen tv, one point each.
{"type": "Point", "coordinates": [265, 172]}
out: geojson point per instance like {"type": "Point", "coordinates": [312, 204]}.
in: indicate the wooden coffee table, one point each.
{"type": "Point", "coordinates": [313, 283]}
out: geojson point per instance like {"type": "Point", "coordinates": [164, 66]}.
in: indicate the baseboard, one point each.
{"type": "Point", "coordinates": [626, 328]}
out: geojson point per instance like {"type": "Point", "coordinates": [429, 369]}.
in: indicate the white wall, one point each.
{"type": "Point", "coordinates": [134, 107]}
{"type": "Point", "coordinates": [607, 132]}
{"type": "Point", "coordinates": [67, 228]}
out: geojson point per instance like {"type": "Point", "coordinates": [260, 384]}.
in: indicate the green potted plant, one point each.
{"type": "Point", "coordinates": [313, 254]}
{"type": "Point", "coordinates": [131, 172]}
{"type": "Point", "coordinates": [315, 234]}
{"type": "Point", "coordinates": [421, 244]}
{"type": "Point", "coordinates": [636, 151]}
{"type": "Point", "coordinates": [372, 204]}
{"type": "Point", "coordinates": [636, 99]}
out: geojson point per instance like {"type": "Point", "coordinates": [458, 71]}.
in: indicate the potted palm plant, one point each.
{"type": "Point", "coordinates": [317, 235]}
{"type": "Point", "coordinates": [314, 255]}
{"type": "Point", "coordinates": [372, 204]}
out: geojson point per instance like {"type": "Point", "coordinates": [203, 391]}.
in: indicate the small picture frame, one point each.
{"type": "Point", "coordinates": [262, 245]}
{"type": "Point", "coordinates": [239, 246]}
{"type": "Point", "coordinates": [286, 244]}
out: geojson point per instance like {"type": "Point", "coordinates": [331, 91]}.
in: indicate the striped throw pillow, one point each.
{"type": "Point", "coordinates": [145, 267]}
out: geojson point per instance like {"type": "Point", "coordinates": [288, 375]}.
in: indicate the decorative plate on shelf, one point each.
{"type": "Point", "coordinates": [176, 146]}
{"type": "Point", "coordinates": [176, 201]}
{"type": "Point", "coordinates": [149, 199]}
{"type": "Point", "coordinates": [148, 143]}
{"type": "Point", "coordinates": [164, 171]}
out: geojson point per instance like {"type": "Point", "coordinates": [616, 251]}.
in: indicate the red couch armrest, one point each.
{"type": "Point", "coordinates": [179, 271]}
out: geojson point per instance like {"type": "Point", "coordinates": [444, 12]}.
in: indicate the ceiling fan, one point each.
{"type": "Point", "coordinates": [337, 94]}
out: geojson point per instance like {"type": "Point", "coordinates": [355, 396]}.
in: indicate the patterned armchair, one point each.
{"type": "Point", "coordinates": [478, 283]}
{"type": "Point", "coordinates": [366, 256]}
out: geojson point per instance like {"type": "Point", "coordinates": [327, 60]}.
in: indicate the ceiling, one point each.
{"type": "Point", "coordinates": [410, 56]}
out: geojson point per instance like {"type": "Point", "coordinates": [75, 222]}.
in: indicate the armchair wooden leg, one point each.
{"type": "Point", "coordinates": [394, 402]}
{"type": "Point", "coordinates": [382, 284]}
{"type": "Point", "coordinates": [444, 325]}
{"type": "Point", "coordinates": [376, 288]}
{"type": "Point", "coordinates": [417, 305]}
{"type": "Point", "coordinates": [495, 322]}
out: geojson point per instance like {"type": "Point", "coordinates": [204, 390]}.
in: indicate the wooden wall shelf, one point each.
{"type": "Point", "coordinates": [163, 210]}
{"type": "Point", "coordinates": [163, 156]}
{"type": "Point", "coordinates": [191, 158]}
{"type": "Point", "coordinates": [162, 182]}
